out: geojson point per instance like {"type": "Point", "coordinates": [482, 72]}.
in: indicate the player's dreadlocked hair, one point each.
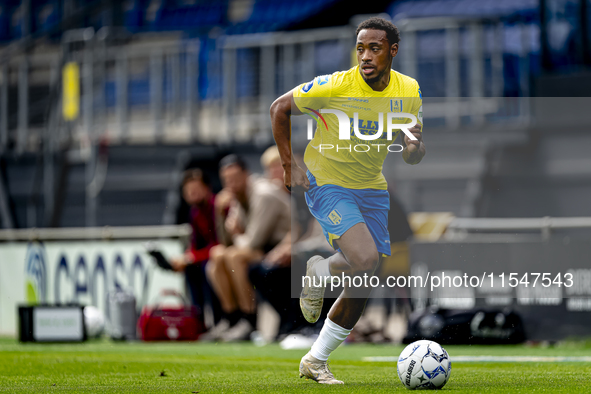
{"type": "Point", "coordinates": [376, 23]}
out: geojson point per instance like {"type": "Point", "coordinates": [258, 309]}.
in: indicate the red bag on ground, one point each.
{"type": "Point", "coordinates": [169, 323]}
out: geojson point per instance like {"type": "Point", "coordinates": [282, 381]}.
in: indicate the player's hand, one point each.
{"type": "Point", "coordinates": [296, 179]}
{"type": "Point", "coordinates": [411, 145]}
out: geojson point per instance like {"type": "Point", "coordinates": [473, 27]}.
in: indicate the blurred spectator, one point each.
{"type": "Point", "coordinates": [253, 219]}
{"type": "Point", "coordinates": [271, 163]}
{"type": "Point", "coordinates": [272, 276]}
{"type": "Point", "coordinates": [198, 195]}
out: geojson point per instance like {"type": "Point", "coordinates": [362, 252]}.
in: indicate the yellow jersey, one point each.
{"type": "Point", "coordinates": [355, 162]}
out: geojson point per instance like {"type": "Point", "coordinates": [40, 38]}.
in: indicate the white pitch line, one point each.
{"type": "Point", "coordinates": [502, 359]}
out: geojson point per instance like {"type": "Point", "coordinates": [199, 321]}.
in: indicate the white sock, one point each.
{"type": "Point", "coordinates": [322, 269]}
{"type": "Point", "coordinates": [331, 336]}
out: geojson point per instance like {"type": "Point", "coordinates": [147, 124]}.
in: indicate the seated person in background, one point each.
{"type": "Point", "coordinates": [257, 220]}
{"type": "Point", "coordinates": [272, 276]}
{"type": "Point", "coordinates": [198, 195]}
{"type": "Point", "coordinates": [271, 163]}
{"type": "Point", "coordinates": [277, 281]}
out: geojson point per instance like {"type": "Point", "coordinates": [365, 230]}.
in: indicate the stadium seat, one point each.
{"type": "Point", "coordinates": [4, 23]}
{"type": "Point", "coordinates": [45, 14]}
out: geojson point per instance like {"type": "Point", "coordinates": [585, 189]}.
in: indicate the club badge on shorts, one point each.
{"type": "Point", "coordinates": [335, 216]}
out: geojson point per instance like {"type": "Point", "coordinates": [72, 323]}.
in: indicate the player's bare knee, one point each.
{"type": "Point", "coordinates": [366, 262]}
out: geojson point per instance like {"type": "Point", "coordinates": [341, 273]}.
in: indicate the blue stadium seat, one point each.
{"type": "Point", "coordinates": [16, 22]}
{"type": "Point", "coordinates": [139, 92]}
{"type": "Point", "coordinates": [133, 17]}
{"type": "Point", "coordinates": [4, 22]}
{"type": "Point", "coordinates": [427, 8]}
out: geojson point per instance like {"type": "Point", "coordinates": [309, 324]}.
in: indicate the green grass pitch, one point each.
{"type": "Point", "coordinates": [103, 366]}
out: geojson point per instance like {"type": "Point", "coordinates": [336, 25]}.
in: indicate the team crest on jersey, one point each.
{"type": "Point", "coordinates": [306, 88]}
{"type": "Point", "coordinates": [335, 216]}
{"type": "Point", "coordinates": [396, 106]}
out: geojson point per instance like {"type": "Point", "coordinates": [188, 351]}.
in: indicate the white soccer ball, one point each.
{"type": "Point", "coordinates": [424, 365]}
{"type": "Point", "coordinates": [94, 321]}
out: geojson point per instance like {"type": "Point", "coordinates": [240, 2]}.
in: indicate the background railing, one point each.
{"type": "Point", "coordinates": [158, 89]}
{"type": "Point", "coordinates": [153, 102]}
{"type": "Point", "coordinates": [460, 228]}
{"type": "Point", "coordinates": [181, 232]}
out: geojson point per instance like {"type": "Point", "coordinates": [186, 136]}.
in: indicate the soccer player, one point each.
{"type": "Point", "coordinates": [345, 188]}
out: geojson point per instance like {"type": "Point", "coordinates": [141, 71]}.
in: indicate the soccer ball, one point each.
{"type": "Point", "coordinates": [424, 365]}
{"type": "Point", "coordinates": [94, 321]}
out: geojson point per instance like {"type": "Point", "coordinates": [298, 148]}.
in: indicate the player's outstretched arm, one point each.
{"type": "Point", "coordinates": [281, 110]}
{"type": "Point", "coordinates": [414, 151]}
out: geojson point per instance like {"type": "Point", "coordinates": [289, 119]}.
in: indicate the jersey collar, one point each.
{"type": "Point", "coordinates": [367, 88]}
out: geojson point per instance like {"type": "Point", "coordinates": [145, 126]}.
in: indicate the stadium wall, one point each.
{"type": "Point", "coordinates": [81, 272]}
